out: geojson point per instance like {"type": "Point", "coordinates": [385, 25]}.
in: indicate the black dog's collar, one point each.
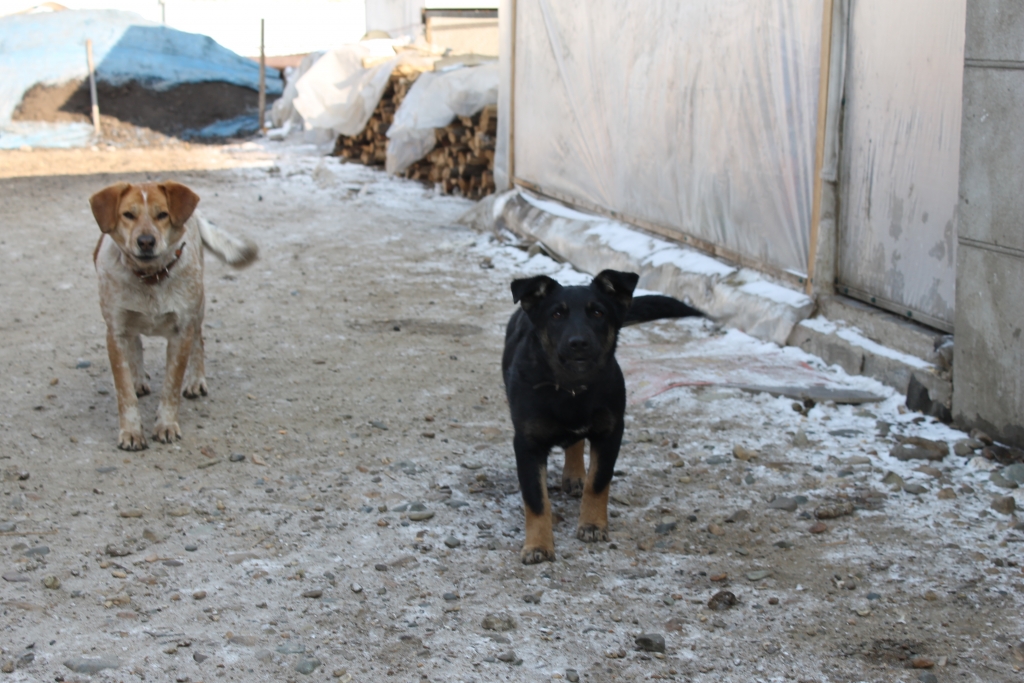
{"type": "Point", "coordinates": [572, 392]}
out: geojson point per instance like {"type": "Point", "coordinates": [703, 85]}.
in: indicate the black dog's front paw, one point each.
{"type": "Point", "coordinates": [536, 555]}
{"type": "Point", "coordinates": [591, 533]}
{"type": "Point", "coordinates": [572, 487]}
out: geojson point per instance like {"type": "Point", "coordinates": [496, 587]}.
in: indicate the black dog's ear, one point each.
{"type": "Point", "coordinates": [531, 290]}
{"type": "Point", "coordinates": [617, 285]}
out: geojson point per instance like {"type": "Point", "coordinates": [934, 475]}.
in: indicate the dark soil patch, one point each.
{"type": "Point", "coordinates": [891, 652]}
{"type": "Point", "coordinates": [190, 106]}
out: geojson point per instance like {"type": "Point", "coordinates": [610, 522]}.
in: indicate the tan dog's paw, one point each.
{"type": "Point", "coordinates": [591, 533]}
{"type": "Point", "coordinates": [573, 487]}
{"type": "Point", "coordinates": [131, 440]}
{"type": "Point", "coordinates": [536, 555]}
{"type": "Point", "coordinates": [195, 389]}
{"type": "Point", "coordinates": [141, 389]}
{"type": "Point", "coordinates": [166, 433]}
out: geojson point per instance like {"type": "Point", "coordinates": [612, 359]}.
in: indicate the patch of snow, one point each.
{"type": "Point", "coordinates": [777, 293]}
{"type": "Point", "coordinates": [689, 261]}
{"type": "Point", "coordinates": [558, 209]}
{"type": "Point", "coordinates": [854, 336]}
{"type": "Point", "coordinates": [820, 324]}
{"type": "Point", "coordinates": [618, 237]}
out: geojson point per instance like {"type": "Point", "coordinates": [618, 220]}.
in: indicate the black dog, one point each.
{"type": "Point", "coordinates": [564, 385]}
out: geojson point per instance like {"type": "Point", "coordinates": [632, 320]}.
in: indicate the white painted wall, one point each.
{"type": "Point", "coordinates": [404, 18]}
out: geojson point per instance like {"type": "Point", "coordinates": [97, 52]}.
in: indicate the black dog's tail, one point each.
{"type": "Point", "coordinates": [655, 307]}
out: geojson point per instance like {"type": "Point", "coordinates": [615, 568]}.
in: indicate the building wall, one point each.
{"type": "Point", "coordinates": [398, 18]}
{"type": "Point", "coordinates": [988, 387]}
{"type": "Point", "coordinates": [464, 36]}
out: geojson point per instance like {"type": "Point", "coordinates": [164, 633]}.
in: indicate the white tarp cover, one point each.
{"type": "Point", "coordinates": [338, 93]}
{"type": "Point", "coordinates": [899, 179]}
{"type": "Point", "coordinates": [433, 101]}
{"type": "Point", "coordinates": [696, 116]}
{"type": "Point", "coordinates": [283, 110]}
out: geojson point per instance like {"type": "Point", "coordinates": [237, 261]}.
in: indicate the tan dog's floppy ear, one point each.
{"type": "Point", "coordinates": [105, 205]}
{"type": "Point", "coordinates": [181, 201]}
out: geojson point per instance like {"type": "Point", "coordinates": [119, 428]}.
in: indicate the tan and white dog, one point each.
{"type": "Point", "coordinates": [149, 261]}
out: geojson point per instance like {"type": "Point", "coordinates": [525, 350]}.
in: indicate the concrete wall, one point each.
{"type": "Point", "coordinates": [988, 387]}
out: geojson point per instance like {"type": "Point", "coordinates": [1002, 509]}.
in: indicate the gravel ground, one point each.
{"type": "Point", "coordinates": [344, 506]}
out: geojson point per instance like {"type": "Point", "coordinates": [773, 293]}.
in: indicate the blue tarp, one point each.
{"type": "Point", "coordinates": [49, 49]}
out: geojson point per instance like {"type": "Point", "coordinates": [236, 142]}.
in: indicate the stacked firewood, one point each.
{"type": "Point", "coordinates": [462, 160]}
{"type": "Point", "coordinates": [463, 156]}
{"type": "Point", "coordinates": [370, 147]}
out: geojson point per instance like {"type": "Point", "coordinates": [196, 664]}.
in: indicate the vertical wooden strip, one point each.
{"type": "Point", "coordinates": [819, 149]}
{"type": "Point", "coordinates": [92, 88]}
{"type": "Point", "coordinates": [512, 101]}
{"type": "Point", "coordinates": [263, 81]}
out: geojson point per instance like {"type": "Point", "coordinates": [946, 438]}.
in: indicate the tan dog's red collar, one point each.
{"type": "Point", "coordinates": [162, 274]}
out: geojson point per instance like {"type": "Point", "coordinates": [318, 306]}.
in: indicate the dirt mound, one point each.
{"type": "Point", "coordinates": [170, 113]}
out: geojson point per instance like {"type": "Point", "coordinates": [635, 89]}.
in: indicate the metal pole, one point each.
{"type": "Point", "coordinates": [163, 11]}
{"type": "Point", "coordinates": [92, 89]}
{"type": "Point", "coordinates": [263, 80]}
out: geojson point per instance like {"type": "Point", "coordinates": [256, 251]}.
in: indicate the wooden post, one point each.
{"type": "Point", "coordinates": [263, 80]}
{"type": "Point", "coordinates": [819, 149]}
{"type": "Point", "coordinates": [512, 103]}
{"type": "Point", "coordinates": [92, 88]}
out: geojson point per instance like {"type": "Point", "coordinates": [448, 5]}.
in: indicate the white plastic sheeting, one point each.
{"type": "Point", "coordinates": [338, 93]}
{"type": "Point", "coordinates": [900, 159]}
{"type": "Point", "coordinates": [698, 116]}
{"type": "Point", "coordinates": [283, 112]}
{"type": "Point", "coordinates": [434, 101]}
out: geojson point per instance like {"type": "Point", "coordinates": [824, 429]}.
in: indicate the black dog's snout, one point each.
{"type": "Point", "coordinates": [578, 344]}
{"type": "Point", "coordinates": [146, 242]}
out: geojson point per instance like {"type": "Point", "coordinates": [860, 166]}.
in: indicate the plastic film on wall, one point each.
{"type": "Point", "coordinates": [698, 117]}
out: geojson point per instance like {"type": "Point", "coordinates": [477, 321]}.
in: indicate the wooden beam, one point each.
{"type": "Point", "coordinates": [262, 98]}
{"type": "Point", "coordinates": [92, 89]}
{"type": "Point", "coordinates": [512, 100]}
{"type": "Point", "coordinates": [819, 149]}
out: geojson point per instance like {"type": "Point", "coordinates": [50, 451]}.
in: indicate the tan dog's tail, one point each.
{"type": "Point", "coordinates": [235, 251]}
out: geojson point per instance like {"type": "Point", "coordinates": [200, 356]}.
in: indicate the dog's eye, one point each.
{"type": "Point", "coordinates": [129, 215]}
{"type": "Point", "coordinates": [597, 313]}
{"type": "Point", "coordinates": [558, 315]}
{"type": "Point", "coordinates": [162, 215]}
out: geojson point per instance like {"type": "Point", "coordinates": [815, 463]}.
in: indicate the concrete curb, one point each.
{"type": "Point", "coordinates": [845, 346]}
{"type": "Point", "coordinates": [736, 297]}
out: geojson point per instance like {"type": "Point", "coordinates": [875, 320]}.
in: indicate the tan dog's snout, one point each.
{"type": "Point", "coordinates": [146, 243]}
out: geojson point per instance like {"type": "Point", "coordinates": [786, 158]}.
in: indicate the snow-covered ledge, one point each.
{"type": "Point", "coordinates": [738, 297]}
